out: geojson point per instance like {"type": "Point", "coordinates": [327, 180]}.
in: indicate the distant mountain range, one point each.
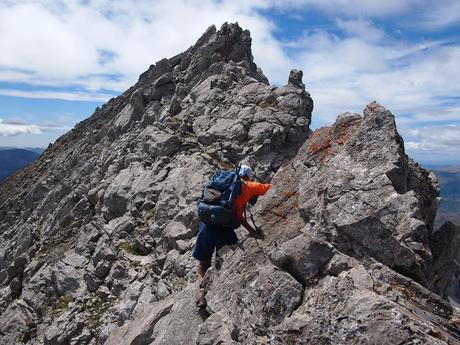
{"type": "Point", "coordinates": [449, 181]}
{"type": "Point", "coordinates": [38, 150]}
{"type": "Point", "coordinates": [13, 159]}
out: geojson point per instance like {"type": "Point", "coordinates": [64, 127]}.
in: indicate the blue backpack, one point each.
{"type": "Point", "coordinates": [217, 201]}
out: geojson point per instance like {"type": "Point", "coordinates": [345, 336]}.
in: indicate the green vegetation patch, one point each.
{"type": "Point", "coordinates": [97, 309]}
{"type": "Point", "coordinates": [127, 247]}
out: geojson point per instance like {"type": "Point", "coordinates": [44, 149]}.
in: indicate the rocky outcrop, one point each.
{"type": "Point", "coordinates": [103, 223]}
{"type": "Point", "coordinates": [445, 269]}
{"type": "Point", "coordinates": [96, 236]}
{"type": "Point", "coordinates": [346, 255]}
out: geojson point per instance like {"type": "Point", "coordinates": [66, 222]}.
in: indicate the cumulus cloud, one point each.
{"type": "Point", "coordinates": [445, 13]}
{"type": "Point", "coordinates": [345, 73]}
{"type": "Point", "coordinates": [357, 8]}
{"type": "Point", "coordinates": [72, 96]}
{"type": "Point", "coordinates": [446, 138]}
{"type": "Point", "coordinates": [58, 45]}
{"type": "Point", "coordinates": [14, 128]}
{"type": "Point", "coordinates": [435, 144]}
{"type": "Point", "coordinates": [361, 28]}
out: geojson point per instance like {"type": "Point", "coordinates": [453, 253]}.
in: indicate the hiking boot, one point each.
{"type": "Point", "coordinates": [201, 300]}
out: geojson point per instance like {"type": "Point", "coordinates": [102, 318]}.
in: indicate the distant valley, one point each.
{"type": "Point", "coordinates": [13, 159]}
{"type": "Point", "coordinates": [449, 182]}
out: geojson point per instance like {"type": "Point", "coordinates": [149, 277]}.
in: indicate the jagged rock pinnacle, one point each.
{"type": "Point", "coordinates": [295, 79]}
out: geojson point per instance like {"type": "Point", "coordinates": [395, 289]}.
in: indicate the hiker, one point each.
{"type": "Point", "coordinates": [212, 237]}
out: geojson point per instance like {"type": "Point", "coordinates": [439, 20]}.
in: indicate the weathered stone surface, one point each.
{"type": "Point", "coordinates": [353, 190]}
{"type": "Point", "coordinates": [351, 309]}
{"type": "Point", "coordinates": [18, 323]}
{"type": "Point", "coordinates": [445, 269]}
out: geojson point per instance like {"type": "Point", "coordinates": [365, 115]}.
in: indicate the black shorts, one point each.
{"type": "Point", "coordinates": [211, 239]}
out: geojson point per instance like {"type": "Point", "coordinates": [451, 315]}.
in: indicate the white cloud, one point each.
{"type": "Point", "coordinates": [71, 96]}
{"type": "Point", "coordinates": [442, 139]}
{"type": "Point", "coordinates": [61, 42]}
{"type": "Point", "coordinates": [356, 8]}
{"type": "Point", "coordinates": [361, 28]}
{"type": "Point", "coordinates": [14, 128]}
{"type": "Point", "coordinates": [10, 129]}
{"type": "Point", "coordinates": [415, 81]}
{"type": "Point", "coordinates": [441, 14]}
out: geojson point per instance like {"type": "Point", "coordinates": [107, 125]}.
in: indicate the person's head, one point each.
{"type": "Point", "coordinates": [246, 173]}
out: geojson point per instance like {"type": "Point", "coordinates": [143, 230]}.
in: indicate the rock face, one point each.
{"type": "Point", "coordinates": [96, 236]}
{"type": "Point", "coordinates": [445, 270]}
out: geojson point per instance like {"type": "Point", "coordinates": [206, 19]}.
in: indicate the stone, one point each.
{"type": "Point", "coordinates": [445, 268]}
{"type": "Point", "coordinates": [124, 118]}
{"type": "Point", "coordinates": [295, 79]}
{"type": "Point", "coordinates": [302, 257]}
{"type": "Point", "coordinates": [18, 323]}
{"type": "Point", "coordinates": [141, 333]}
{"type": "Point", "coordinates": [68, 280]}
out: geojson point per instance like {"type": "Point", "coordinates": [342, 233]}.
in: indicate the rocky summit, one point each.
{"type": "Point", "coordinates": [97, 234]}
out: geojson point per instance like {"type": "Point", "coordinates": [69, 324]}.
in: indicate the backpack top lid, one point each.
{"type": "Point", "coordinates": [222, 180]}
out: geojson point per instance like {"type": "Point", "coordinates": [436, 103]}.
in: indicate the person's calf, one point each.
{"type": "Point", "coordinates": [201, 270]}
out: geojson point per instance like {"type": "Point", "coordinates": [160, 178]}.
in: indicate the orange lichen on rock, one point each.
{"type": "Point", "coordinates": [322, 143]}
{"type": "Point", "coordinates": [323, 140]}
{"type": "Point", "coordinates": [344, 133]}
{"type": "Point", "coordinates": [314, 148]}
{"type": "Point", "coordinates": [282, 208]}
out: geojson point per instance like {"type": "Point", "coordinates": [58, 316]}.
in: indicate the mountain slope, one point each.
{"type": "Point", "coordinates": [119, 191]}
{"type": "Point", "coordinates": [12, 160]}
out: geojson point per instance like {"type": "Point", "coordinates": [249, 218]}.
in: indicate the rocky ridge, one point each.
{"type": "Point", "coordinates": [97, 234]}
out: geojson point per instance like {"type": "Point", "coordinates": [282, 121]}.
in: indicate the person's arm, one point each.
{"type": "Point", "coordinates": [257, 188]}
{"type": "Point", "coordinates": [252, 232]}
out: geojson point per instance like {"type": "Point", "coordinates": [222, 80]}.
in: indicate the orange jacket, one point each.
{"type": "Point", "coordinates": [248, 191]}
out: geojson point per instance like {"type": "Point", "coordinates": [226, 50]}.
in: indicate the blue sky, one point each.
{"type": "Point", "coordinates": [62, 59]}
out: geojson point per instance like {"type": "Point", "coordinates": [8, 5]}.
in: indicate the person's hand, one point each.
{"type": "Point", "coordinates": [257, 234]}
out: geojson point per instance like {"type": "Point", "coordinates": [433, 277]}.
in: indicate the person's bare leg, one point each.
{"type": "Point", "coordinates": [201, 271]}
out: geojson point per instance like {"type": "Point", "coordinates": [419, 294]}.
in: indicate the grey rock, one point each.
{"type": "Point", "coordinates": [302, 257]}
{"type": "Point", "coordinates": [295, 78]}
{"type": "Point", "coordinates": [141, 333]}
{"type": "Point", "coordinates": [63, 329]}
{"type": "Point", "coordinates": [17, 323]}
{"type": "Point", "coordinates": [68, 280]}
{"type": "Point", "coordinates": [92, 284]}
{"type": "Point", "coordinates": [445, 268]}
{"type": "Point", "coordinates": [124, 118]}
{"type": "Point", "coordinates": [117, 316]}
